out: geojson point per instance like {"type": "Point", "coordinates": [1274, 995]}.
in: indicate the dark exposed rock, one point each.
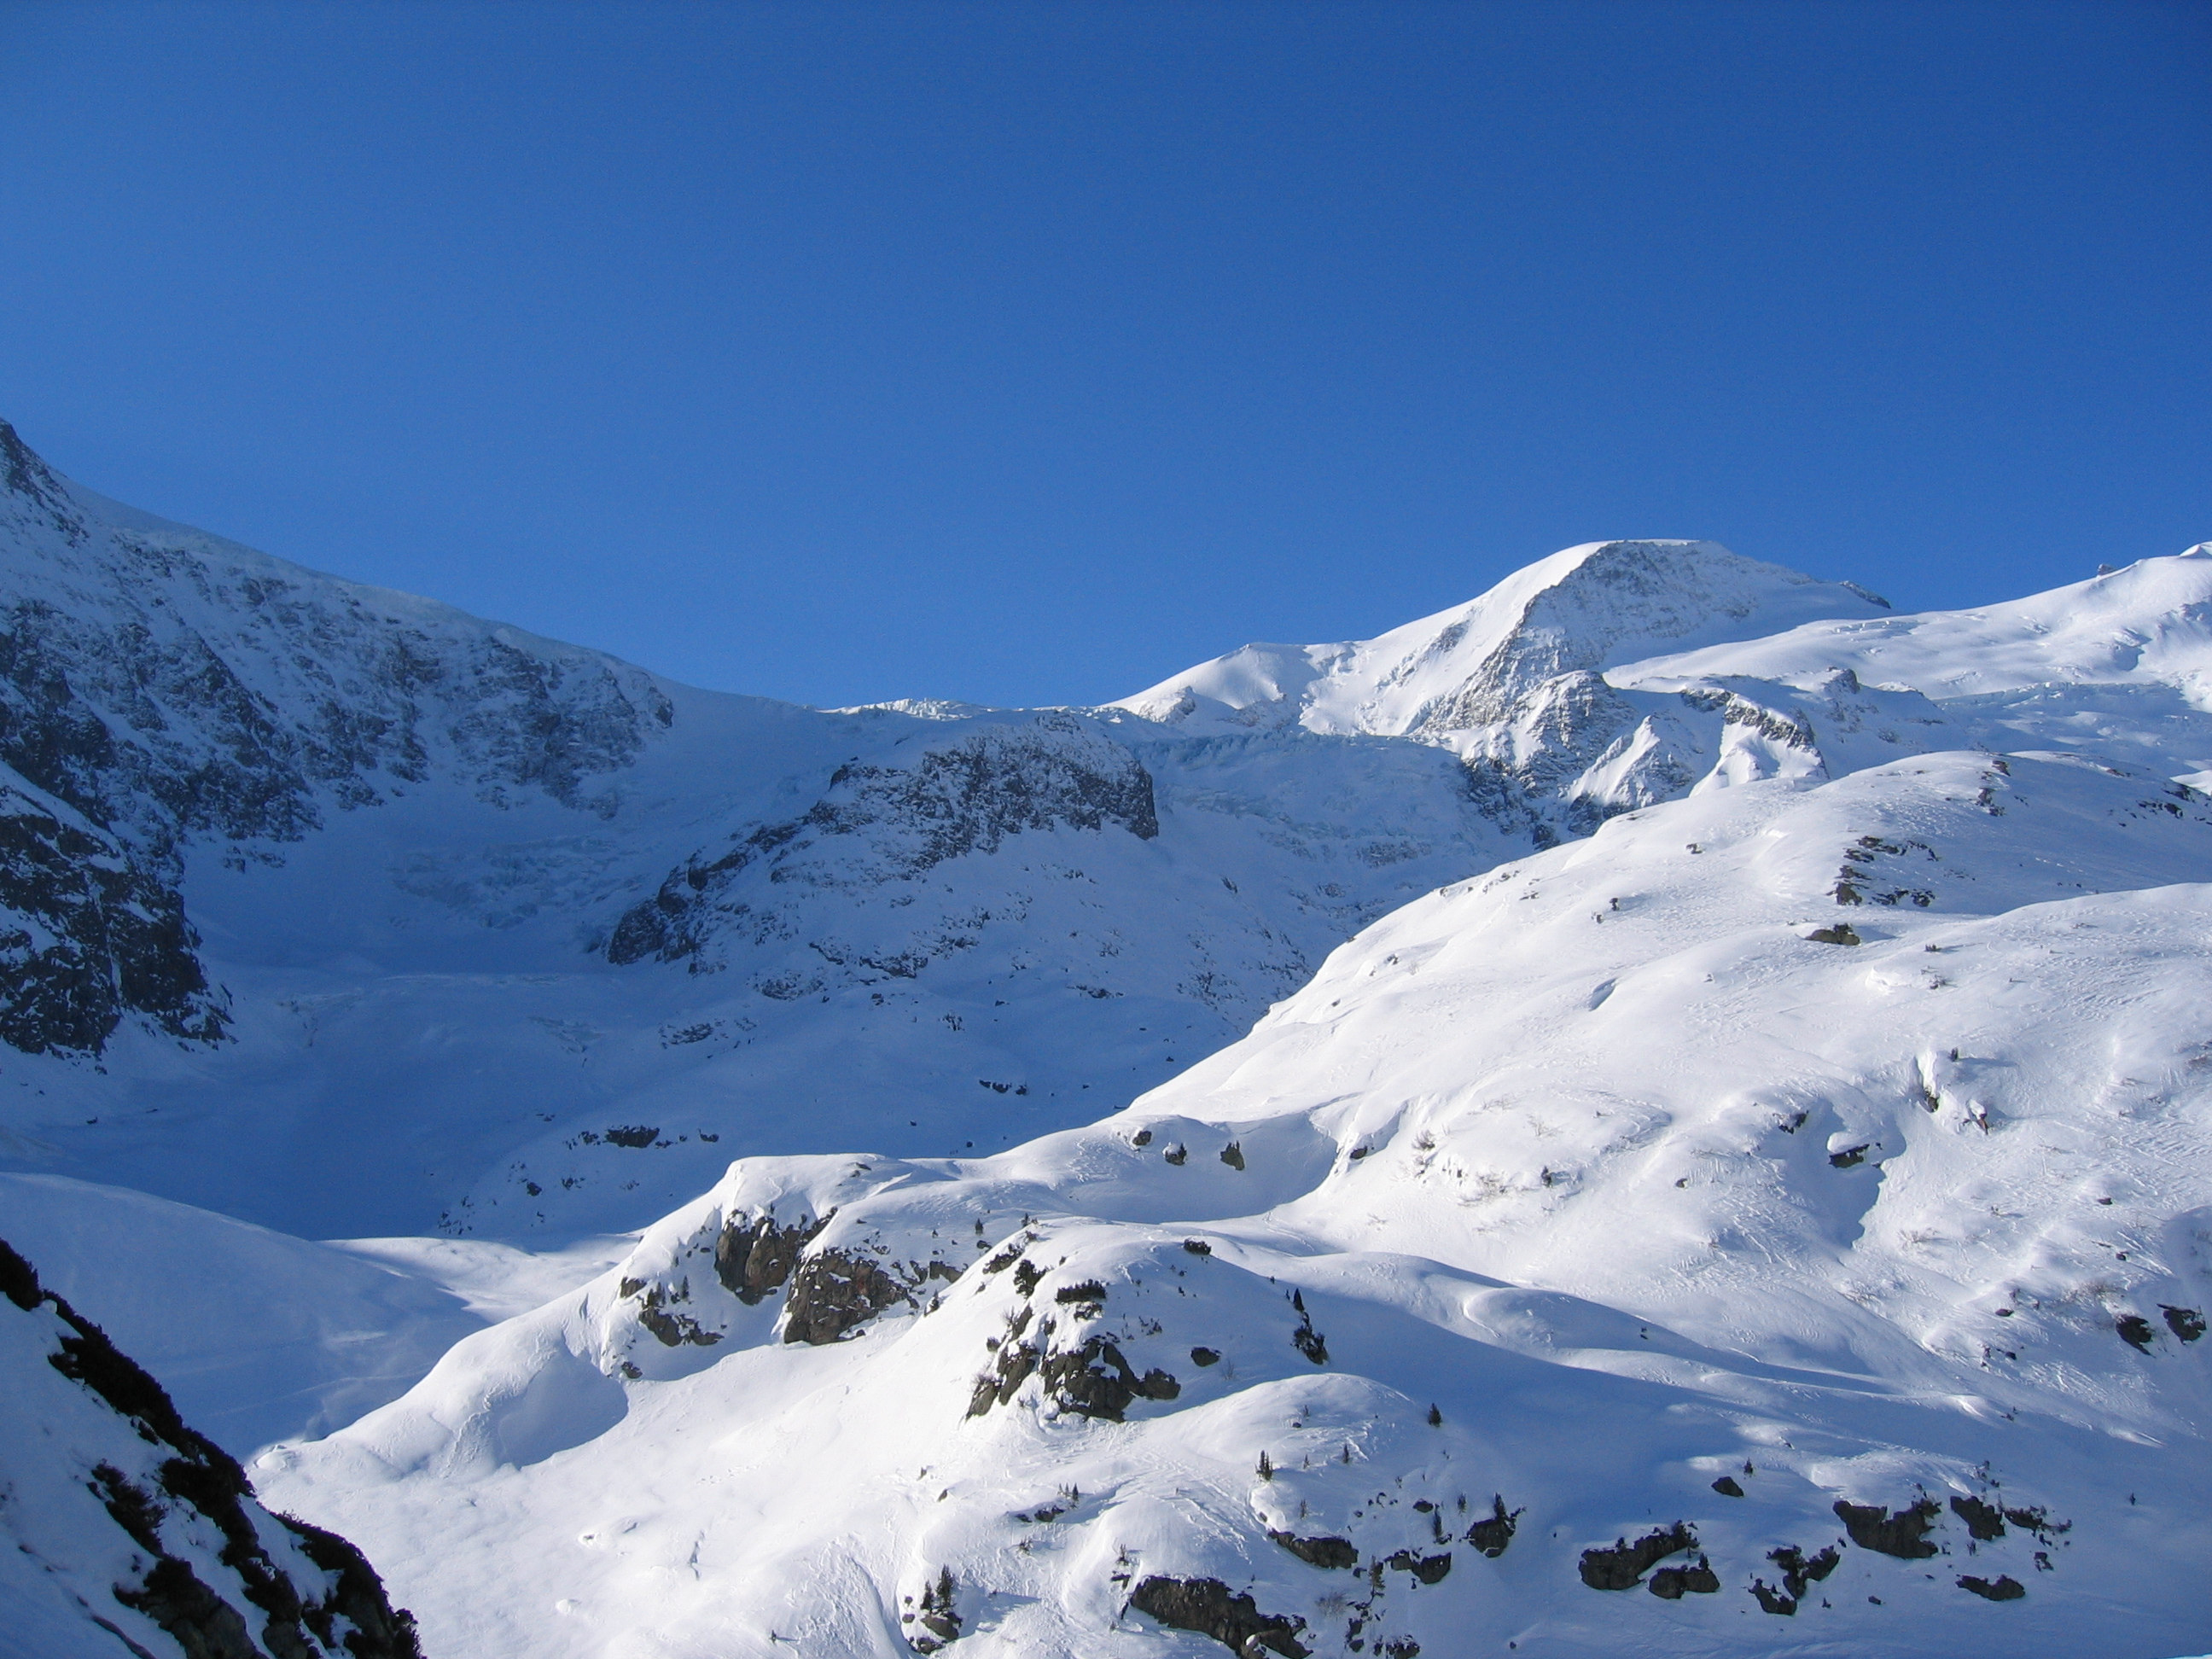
{"type": "Point", "coordinates": [1671, 1584]}
{"type": "Point", "coordinates": [1841, 933]}
{"type": "Point", "coordinates": [1425, 1569]}
{"type": "Point", "coordinates": [1773, 1601]}
{"type": "Point", "coordinates": [88, 935]}
{"type": "Point", "coordinates": [207, 1492]}
{"type": "Point", "coordinates": [1233, 1155]}
{"type": "Point", "coordinates": [1728, 1487]}
{"type": "Point", "coordinates": [1494, 1531]}
{"type": "Point", "coordinates": [1176, 1152]}
{"type": "Point", "coordinates": [835, 1291]}
{"type": "Point", "coordinates": [2002, 1589]}
{"type": "Point", "coordinates": [2135, 1331]}
{"type": "Point", "coordinates": [673, 1330]}
{"type": "Point", "coordinates": [1205, 1356]}
{"type": "Point", "coordinates": [754, 1258]}
{"type": "Point", "coordinates": [1799, 1569]}
{"type": "Point", "coordinates": [1851, 1157]}
{"type": "Point", "coordinates": [2186, 1323]}
{"type": "Point", "coordinates": [1204, 1605]}
{"type": "Point", "coordinates": [1095, 1381]}
{"type": "Point", "coordinates": [1335, 1552]}
{"type": "Point", "coordinates": [1983, 1521]}
{"type": "Point", "coordinates": [962, 795]}
{"type": "Point", "coordinates": [1903, 1535]}
{"type": "Point", "coordinates": [1622, 1567]}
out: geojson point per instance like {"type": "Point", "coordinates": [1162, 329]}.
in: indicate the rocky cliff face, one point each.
{"type": "Point", "coordinates": [131, 1532]}
{"type": "Point", "coordinates": [172, 690]}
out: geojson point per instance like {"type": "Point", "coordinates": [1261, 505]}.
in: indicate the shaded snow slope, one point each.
{"type": "Point", "coordinates": [128, 1532]}
{"type": "Point", "coordinates": [1780, 1222]}
{"type": "Point", "coordinates": [259, 1336]}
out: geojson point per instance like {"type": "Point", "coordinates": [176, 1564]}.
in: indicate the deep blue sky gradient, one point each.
{"type": "Point", "coordinates": [1027, 354]}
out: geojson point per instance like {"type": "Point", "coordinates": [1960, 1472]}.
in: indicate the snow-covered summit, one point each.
{"type": "Point", "coordinates": [1444, 678]}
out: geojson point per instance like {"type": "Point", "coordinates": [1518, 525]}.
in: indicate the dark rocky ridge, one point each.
{"type": "Point", "coordinates": [281, 1589]}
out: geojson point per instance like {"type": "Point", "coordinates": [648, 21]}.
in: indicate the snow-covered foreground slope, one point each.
{"type": "Point", "coordinates": [1781, 1222]}
{"type": "Point", "coordinates": [128, 1532]}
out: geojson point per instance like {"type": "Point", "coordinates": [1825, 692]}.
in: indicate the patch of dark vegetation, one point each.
{"type": "Point", "coordinates": [1027, 1277]}
{"type": "Point", "coordinates": [754, 1258]}
{"type": "Point", "coordinates": [1671, 1584]}
{"type": "Point", "coordinates": [1204, 1606]}
{"type": "Point", "coordinates": [2186, 1323]}
{"type": "Point", "coordinates": [1851, 1157]}
{"type": "Point", "coordinates": [1623, 1566]}
{"type": "Point", "coordinates": [1494, 1531]}
{"type": "Point", "coordinates": [1205, 1356]}
{"type": "Point", "coordinates": [1233, 1155]}
{"type": "Point", "coordinates": [1841, 933]}
{"type": "Point", "coordinates": [1089, 1291]}
{"type": "Point", "coordinates": [1306, 1339]}
{"type": "Point", "coordinates": [1176, 1152]}
{"type": "Point", "coordinates": [1984, 1521]}
{"type": "Point", "coordinates": [1728, 1487]}
{"type": "Point", "coordinates": [938, 1618]}
{"type": "Point", "coordinates": [1332, 1552]}
{"type": "Point", "coordinates": [2002, 1589]}
{"type": "Point", "coordinates": [1905, 1534]}
{"type": "Point", "coordinates": [633, 1135]}
{"type": "Point", "coordinates": [1198, 1247]}
{"type": "Point", "coordinates": [832, 1292]}
{"type": "Point", "coordinates": [2135, 1331]}
{"type": "Point", "coordinates": [1425, 1569]}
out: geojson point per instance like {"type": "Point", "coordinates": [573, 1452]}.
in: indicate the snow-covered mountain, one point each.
{"type": "Point", "coordinates": [1664, 1111]}
{"type": "Point", "coordinates": [341, 911]}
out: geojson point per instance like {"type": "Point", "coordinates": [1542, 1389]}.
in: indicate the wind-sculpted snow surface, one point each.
{"type": "Point", "coordinates": [1781, 1220]}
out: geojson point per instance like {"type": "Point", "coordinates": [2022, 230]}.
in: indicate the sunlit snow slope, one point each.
{"type": "Point", "coordinates": [1794, 1203]}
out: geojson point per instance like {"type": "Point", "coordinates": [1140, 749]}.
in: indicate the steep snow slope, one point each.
{"type": "Point", "coordinates": [1781, 1222]}
{"type": "Point", "coordinates": [132, 1533]}
{"type": "Point", "coordinates": [2121, 664]}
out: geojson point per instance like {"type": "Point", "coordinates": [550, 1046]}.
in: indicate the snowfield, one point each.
{"type": "Point", "coordinates": [1605, 1157]}
{"type": "Point", "coordinates": [1662, 1111]}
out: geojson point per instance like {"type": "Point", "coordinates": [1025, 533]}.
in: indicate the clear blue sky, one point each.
{"type": "Point", "coordinates": [1027, 354]}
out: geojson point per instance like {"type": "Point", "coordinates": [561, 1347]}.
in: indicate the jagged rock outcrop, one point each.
{"type": "Point", "coordinates": [128, 1529]}
{"type": "Point", "coordinates": [946, 796]}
